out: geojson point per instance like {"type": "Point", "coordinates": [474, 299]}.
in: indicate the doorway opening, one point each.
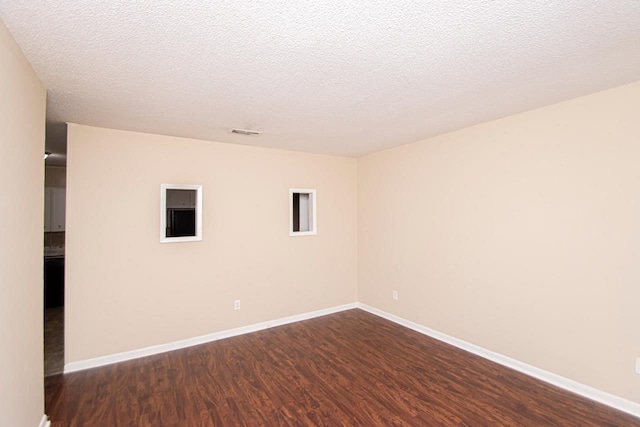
{"type": "Point", "coordinates": [54, 260]}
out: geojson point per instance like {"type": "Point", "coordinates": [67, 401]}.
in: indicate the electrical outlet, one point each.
{"type": "Point", "coordinates": [395, 295]}
{"type": "Point", "coordinates": [637, 365]}
{"type": "Point", "coordinates": [236, 305]}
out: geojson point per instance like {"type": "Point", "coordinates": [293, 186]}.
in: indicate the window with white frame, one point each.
{"type": "Point", "coordinates": [180, 213]}
{"type": "Point", "coordinates": [302, 212]}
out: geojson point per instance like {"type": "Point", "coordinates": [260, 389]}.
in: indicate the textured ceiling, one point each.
{"type": "Point", "coordinates": [345, 78]}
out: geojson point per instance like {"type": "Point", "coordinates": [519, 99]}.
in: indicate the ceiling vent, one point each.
{"type": "Point", "coordinates": [245, 132]}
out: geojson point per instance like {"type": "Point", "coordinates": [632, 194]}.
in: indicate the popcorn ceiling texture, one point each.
{"type": "Point", "coordinates": [345, 78]}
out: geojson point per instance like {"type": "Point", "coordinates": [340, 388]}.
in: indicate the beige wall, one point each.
{"type": "Point", "coordinates": [125, 290]}
{"type": "Point", "coordinates": [22, 119]}
{"type": "Point", "coordinates": [520, 235]}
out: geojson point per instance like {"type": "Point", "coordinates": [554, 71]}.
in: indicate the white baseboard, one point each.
{"type": "Point", "coordinates": [148, 351]}
{"type": "Point", "coordinates": [44, 422]}
{"type": "Point", "coordinates": [546, 376]}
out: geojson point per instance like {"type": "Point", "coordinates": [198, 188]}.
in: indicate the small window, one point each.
{"type": "Point", "coordinates": [302, 212]}
{"type": "Point", "coordinates": [180, 213]}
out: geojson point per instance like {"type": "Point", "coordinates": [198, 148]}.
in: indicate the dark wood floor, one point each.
{"type": "Point", "coordinates": [349, 368]}
{"type": "Point", "coordinates": [53, 341]}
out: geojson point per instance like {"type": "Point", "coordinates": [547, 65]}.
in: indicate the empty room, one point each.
{"type": "Point", "coordinates": [320, 213]}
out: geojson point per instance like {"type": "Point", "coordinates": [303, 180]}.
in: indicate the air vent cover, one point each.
{"type": "Point", "coordinates": [245, 132]}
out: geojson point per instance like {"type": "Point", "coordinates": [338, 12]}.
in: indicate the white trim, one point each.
{"type": "Point", "coordinates": [314, 216]}
{"type": "Point", "coordinates": [148, 351]}
{"type": "Point", "coordinates": [44, 422]}
{"type": "Point", "coordinates": [546, 376]}
{"type": "Point", "coordinates": [163, 213]}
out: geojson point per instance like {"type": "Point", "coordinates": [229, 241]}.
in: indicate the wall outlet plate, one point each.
{"type": "Point", "coordinates": [236, 304]}
{"type": "Point", "coordinates": [637, 365]}
{"type": "Point", "coordinates": [395, 295]}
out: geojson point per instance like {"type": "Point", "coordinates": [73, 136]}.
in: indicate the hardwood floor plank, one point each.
{"type": "Point", "coordinates": [346, 369]}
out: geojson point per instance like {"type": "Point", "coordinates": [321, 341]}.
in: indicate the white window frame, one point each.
{"type": "Point", "coordinates": [313, 212]}
{"type": "Point", "coordinates": [163, 213]}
